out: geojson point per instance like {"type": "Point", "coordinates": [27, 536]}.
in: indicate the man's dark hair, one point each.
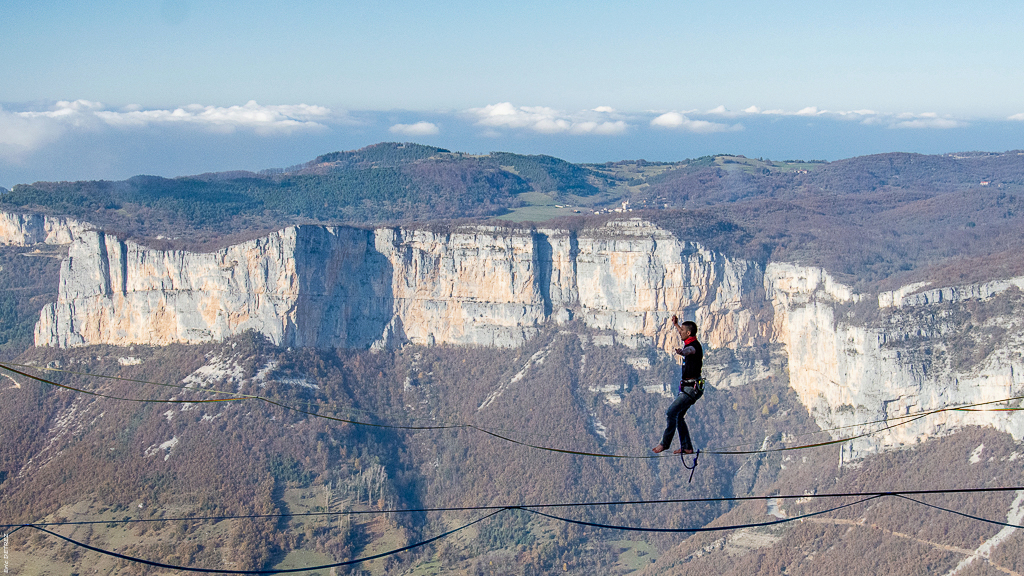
{"type": "Point", "coordinates": [691, 326]}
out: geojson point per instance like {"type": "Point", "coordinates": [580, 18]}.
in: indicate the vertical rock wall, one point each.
{"type": "Point", "coordinates": [903, 363]}
{"type": "Point", "coordinates": [337, 286]}
{"type": "Point", "coordinates": [29, 229]}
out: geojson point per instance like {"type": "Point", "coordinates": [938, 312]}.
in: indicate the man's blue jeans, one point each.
{"type": "Point", "coordinates": [674, 415]}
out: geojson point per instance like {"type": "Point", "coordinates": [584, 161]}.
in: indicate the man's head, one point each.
{"type": "Point", "coordinates": [690, 326]}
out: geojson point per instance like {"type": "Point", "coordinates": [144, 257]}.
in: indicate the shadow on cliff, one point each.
{"type": "Point", "coordinates": [346, 299]}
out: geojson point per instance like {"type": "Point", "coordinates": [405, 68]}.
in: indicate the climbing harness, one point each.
{"type": "Point", "coordinates": [696, 383]}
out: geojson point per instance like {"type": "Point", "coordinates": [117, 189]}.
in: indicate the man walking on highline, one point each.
{"type": "Point", "coordinates": [691, 388]}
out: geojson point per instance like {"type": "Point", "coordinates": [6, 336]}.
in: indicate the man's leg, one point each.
{"type": "Point", "coordinates": [671, 415]}
{"type": "Point", "coordinates": [685, 444]}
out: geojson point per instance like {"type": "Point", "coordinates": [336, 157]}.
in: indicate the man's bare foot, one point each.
{"type": "Point", "coordinates": [658, 449]}
{"type": "Point", "coordinates": [681, 451]}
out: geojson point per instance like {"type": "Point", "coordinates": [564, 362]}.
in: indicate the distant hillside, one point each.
{"type": "Point", "coordinates": [881, 220]}
{"type": "Point", "coordinates": [731, 178]}
{"type": "Point", "coordinates": [887, 218]}
{"type": "Point", "coordinates": [381, 183]}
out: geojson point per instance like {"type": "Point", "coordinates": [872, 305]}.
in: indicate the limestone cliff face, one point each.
{"type": "Point", "coordinates": [477, 286]}
{"type": "Point", "coordinates": [903, 362]}
{"type": "Point", "coordinates": [631, 278]}
{"type": "Point", "coordinates": [29, 229]}
{"type": "Point", "coordinates": [491, 286]}
{"type": "Point", "coordinates": [338, 286]}
{"type": "Point", "coordinates": [308, 286]}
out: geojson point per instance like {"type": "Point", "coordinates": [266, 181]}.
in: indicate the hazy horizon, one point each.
{"type": "Point", "coordinates": [86, 141]}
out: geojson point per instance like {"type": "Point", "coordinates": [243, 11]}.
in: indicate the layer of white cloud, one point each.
{"type": "Point", "coordinates": [19, 134]}
{"type": "Point", "coordinates": [65, 110]}
{"type": "Point", "coordinates": [1017, 116]}
{"type": "Point", "coordinates": [864, 116]}
{"type": "Point", "coordinates": [26, 131]}
{"type": "Point", "coordinates": [606, 128]}
{"type": "Point", "coordinates": [926, 120]}
{"type": "Point", "coordinates": [602, 120]}
{"type": "Point", "coordinates": [806, 111]}
{"type": "Point", "coordinates": [263, 119]}
{"type": "Point", "coordinates": [928, 123]}
{"type": "Point", "coordinates": [677, 120]}
{"type": "Point", "coordinates": [417, 129]}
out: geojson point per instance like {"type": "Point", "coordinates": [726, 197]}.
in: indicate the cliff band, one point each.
{"type": "Point", "coordinates": [320, 286]}
{"type": "Point", "coordinates": [323, 286]}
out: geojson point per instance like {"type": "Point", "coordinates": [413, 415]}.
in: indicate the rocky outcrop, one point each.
{"type": "Point", "coordinates": [29, 229]}
{"type": "Point", "coordinates": [901, 363]}
{"type": "Point", "coordinates": [118, 292]}
{"type": "Point", "coordinates": [913, 295]}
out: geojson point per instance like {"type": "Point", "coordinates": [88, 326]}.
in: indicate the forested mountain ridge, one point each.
{"type": "Point", "coordinates": [381, 183]}
{"type": "Point", "coordinates": [885, 219]}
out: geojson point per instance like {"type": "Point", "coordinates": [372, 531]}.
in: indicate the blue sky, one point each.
{"type": "Point", "coordinates": [109, 89]}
